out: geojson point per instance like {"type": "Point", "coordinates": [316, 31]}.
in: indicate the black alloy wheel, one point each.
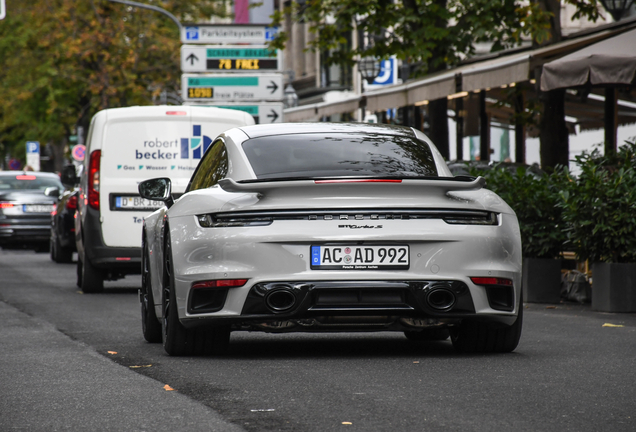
{"type": "Point", "coordinates": [150, 324]}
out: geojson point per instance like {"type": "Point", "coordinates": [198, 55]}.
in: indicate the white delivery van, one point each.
{"type": "Point", "coordinates": [125, 146]}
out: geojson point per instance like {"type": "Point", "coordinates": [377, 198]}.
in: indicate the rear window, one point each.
{"type": "Point", "coordinates": [28, 181]}
{"type": "Point", "coordinates": [339, 155]}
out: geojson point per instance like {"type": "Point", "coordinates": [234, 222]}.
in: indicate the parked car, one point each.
{"type": "Point", "coordinates": [125, 146]}
{"type": "Point", "coordinates": [329, 227]}
{"type": "Point", "coordinates": [62, 240]}
{"type": "Point", "coordinates": [27, 199]}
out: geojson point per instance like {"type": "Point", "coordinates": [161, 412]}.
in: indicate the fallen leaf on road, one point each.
{"type": "Point", "coordinates": [168, 388]}
{"type": "Point", "coordinates": [346, 423]}
{"type": "Point", "coordinates": [416, 362]}
{"type": "Point", "coordinates": [550, 307]}
{"type": "Point", "coordinates": [612, 325]}
{"type": "Point", "coordinates": [112, 352]}
{"type": "Point", "coordinates": [141, 366]}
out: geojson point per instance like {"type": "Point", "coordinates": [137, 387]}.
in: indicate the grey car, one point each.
{"type": "Point", "coordinates": [27, 199]}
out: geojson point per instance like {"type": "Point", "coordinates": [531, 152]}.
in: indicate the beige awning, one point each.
{"type": "Point", "coordinates": [609, 62]}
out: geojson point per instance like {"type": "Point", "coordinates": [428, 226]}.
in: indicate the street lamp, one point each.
{"type": "Point", "coordinates": [369, 68]}
{"type": "Point", "coordinates": [617, 7]}
{"type": "Point", "coordinates": [290, 98]}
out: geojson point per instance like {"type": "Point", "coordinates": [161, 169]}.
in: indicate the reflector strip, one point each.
{"type": "Point", "coordinates": [359, 181]}
{"type": "Point", "coordinates": [25, 177]}
{"type": "Point", "coordinates": [220, 283]}
{"type": "Point", "coordinates": [122, 259]}
{"type": "Point", "coordinates": [176, 113]}
{"type": "Point", "coordinates": [491, 281]}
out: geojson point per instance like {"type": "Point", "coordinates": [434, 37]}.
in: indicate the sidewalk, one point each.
{"type": "Point", "coordinates": [50, 382]}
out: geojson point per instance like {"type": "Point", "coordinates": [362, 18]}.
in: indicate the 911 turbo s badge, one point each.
{"type": "Point", "coordinates": [360, 226]}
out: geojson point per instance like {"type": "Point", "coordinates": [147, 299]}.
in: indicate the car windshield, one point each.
{"type": "Point", "coordinates": [28, 182]}
{"type": "Point", "coordinates": [339, 155]}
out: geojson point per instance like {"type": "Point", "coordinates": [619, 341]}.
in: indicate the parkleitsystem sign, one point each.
{"type": "Point", "coordinates": [234, 58]}
{"type": "Point", "coordinates": [229, 66]}
{"type": "Point", "coordinates": [231, 88]}
{"type": "Point", "coordinates": [227, 34]}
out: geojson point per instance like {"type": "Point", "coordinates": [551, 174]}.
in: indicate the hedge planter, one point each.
{"type": "Point", "coordinates": [614, 287]}
{"type": "Point", "coordinates": [541, 280]}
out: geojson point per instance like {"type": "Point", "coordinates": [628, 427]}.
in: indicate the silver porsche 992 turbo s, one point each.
{"type": "Point", "coordinates": [329, 227]}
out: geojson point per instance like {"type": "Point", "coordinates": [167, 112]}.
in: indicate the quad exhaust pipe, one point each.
{"type": "Point", "coordinates": [280, 299]}
{"type": "Point", "coordinates": [441, 299]}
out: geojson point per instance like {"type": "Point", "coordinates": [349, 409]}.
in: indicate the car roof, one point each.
{"type": "Point", "coordinates": [322, 127]}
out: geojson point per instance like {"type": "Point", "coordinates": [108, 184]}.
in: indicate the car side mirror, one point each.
{"type": "Point", "coordinates": [157, 189]}
{"type": "Point", "coordinates": [52, 192]}
{"type": "Point", "coordinates": [68, 176]}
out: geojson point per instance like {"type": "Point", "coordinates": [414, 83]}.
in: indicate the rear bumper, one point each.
{"type": "Point", "coordinates": [24, 233]}
{"type": "Point", "coordinates": [345, 306]}
{"type": "Point", "coordinates": [124, 260]}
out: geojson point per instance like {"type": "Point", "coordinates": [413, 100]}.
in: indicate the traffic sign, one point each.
{"type": "Point", "coordinates": [229, 58]}
{"type": "Point", "coordinates": [227, 34]}
{"type": "Point", "coordinates": [232, 88]}
{"type": "Point", "coordinates": [78, 152]}
{"type": "Point", "coordinates": [33, 155]}
{"type": "Point", "coordinates": [263, 112]}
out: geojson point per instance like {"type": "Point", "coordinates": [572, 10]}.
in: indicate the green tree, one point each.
{"type": "Point", "coordinates": [64, 60]}
{"type": "Point", "coordinates": [430, 35]}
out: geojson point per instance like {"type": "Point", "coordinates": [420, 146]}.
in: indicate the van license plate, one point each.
{"type": "Point", "coordinates": [136, 203]}
{"type": "Point", "coordinates": [360, 257]}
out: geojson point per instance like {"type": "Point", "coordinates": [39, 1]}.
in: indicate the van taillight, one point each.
{"type": "Point", "coordinates": [93, 179]}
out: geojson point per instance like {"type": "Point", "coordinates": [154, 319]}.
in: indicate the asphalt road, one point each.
{"type": "Point", "coordinates": [72, 361]}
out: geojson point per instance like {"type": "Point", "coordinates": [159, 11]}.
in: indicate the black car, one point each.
{"type": "Point", "coordinates": [27, 199]}
{"type": "Point", "coordinates": [63, 219]}
{"type": "Point", "coordinates": [63, 228]}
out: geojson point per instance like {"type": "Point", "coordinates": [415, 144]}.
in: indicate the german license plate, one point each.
{"type": "Point", "coordinates": [360, 257]}
{"type": "Point", "coordinates": [38, 208]}
{"type": "Point", "coordinates": [136, 203]}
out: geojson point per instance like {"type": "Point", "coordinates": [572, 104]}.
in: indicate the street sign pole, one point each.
{"type": "Point", "coordinates": [3, 9]}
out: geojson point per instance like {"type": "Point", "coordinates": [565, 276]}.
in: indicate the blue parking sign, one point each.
{"type": "Point", "coordinates": [192, 33]}
{"type": "Point", "coordinates": [33, 147]}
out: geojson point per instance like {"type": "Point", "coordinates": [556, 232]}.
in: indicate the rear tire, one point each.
{"type": "Point", "coordinates": [486, 337]}
{"type": "Point", "coordinates": [92, 278]}
{"type": "Point", "coordinates": [429, 335]}
{"type": "Point", "coordinates": [150, 325]}
{"type": "Point", "coordinates": [60, 254]}
{"type": "Point", "coordinates": [177, 339]}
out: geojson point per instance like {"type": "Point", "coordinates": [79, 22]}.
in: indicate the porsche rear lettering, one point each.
{"type": "Point", "coordinates": [360, 226]}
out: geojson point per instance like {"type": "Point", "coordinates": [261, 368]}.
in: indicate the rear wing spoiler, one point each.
{"type": "Point", "coordinates": [311, 187]}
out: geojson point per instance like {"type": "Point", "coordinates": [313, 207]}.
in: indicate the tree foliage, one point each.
{"type": "Point", "coordinates": [430, 33]}
{"type": "Point", "coordinates": [64, 60]}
